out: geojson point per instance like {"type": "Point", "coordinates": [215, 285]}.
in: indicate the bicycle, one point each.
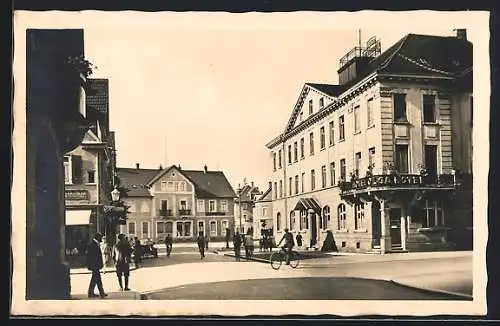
{"type": "Point", "coordinates": [279, 256]}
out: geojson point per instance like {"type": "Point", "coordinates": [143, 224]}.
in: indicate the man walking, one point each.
{"type": "Point", "coordinates": [168, 244]}
{"type": "Point", "coordinates": [201, 244]}
{"type": "Point", "coordinates": [95, 264]}
{"type": "Point", "coordinates": [121, 256]}
{"type": "Point", "coordinates": [237, 245]}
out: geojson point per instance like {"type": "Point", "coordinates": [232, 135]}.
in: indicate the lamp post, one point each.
{"type": "Point", "coordinates": [110, 227]}
{"type": "Point", "coordinates": [239, 204]}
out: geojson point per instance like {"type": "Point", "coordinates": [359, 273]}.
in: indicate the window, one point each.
{"type": "Point", "coordinates": [163, 186]}
{"type": "Point", "coordinates": [332, 134]}
{"type": "Point", "coordinates": [182, 205]}
{"type": "Point", "coordinates": [341, 214]}
{"type": "Point", "coordinates": [176, 186]}
{"type": "Point", "coordinates": [223, 205]}
{"type": "Point", "coordinates": [332, 174]}
{"type": "Point", "coordinates": [289, 154]}
{"type": "Point", "coordinates": [164, 204]}
{"type": "Point", "coordinates": [213, 228]}
{"type": "Point", "coordinates": [310, 107]}
{"type": "Point", "coordinates": [356, 119]}
{"type": "Point", "coordinates": [131, 206]}
{"type": "Point", "coordinates": [321, 103]}
{"type": "Point", "coordinates": [341, 128]}
{"type": "Point", "coordinates": [201, 205]}
{"type": "Point", "coordinates": [371, 157]}
{"type": "Point", "coordinates": [169, 228]}
{"type": "Point", "coordinates": [296, 184]}
{"type": "Point", "coordinates": [201, 227]}
{"type": "Point", "coordinates": [67, 169]}
{"type": "Point", "coordinates": [311, 143]}
{"type": "Point", "coordinates": [302, 147]}
{"type": "Point", "coordinates": [278, 221]}
{"type": "Point", "coordinates": [170, 185]}
{"type": "Point", "coordinates": [160, 227]}
{"type": "Point", "coordinates": [90, 176]}
{"type": "Point", "coordinates": [275, 190]}
{"type": "Point", "coordinates": [301, 116]}
{"type": "Point", "coordinates": [183, 186]}
{"type": "Point", "coordinates": [289, 186]}
{"type": "Point", "coordinates": [429, 109]}
{"type": "Point", "coordinates": [342, 170]}
{"type": "Point", "coordinates": [432, 214]}
{"type": "Point", "coordinates": [279, 159]}
{"type": "Point", "coordinates": [304, 221]}
{"type": "Point", "coordinates": [224, 225]}
{"type": "Point", "coordinates": [131, 228]}
{"type": "Point", "coordinates": [359, 213]}
{"type": "Point", "coordinates": [313, 180]}
{"type": "Point", "coordinates": [211, 205]}
{"type": "Point", "coordinates": [264, 211]}
{"type": "Point", "coordinates": [400, 107]}
{"type": "Point", "coordinates": [302, 181]}
{"type": "Point", "coordinates": [274, 161]}
{"type": "Point", "coordinates": [325, 219]}
{"type": "Point", "coordinates": [323, 176]}
{"type": "Point", "coordinates": [295, 152]}
{"type": "Point", "coordinates": [402, 158]}
{"type": "Point", "coordinates": [281, 188]}
{"type": "Point", "coordinates": [145, 229]}
{"type": "Point", "coordinates": [322, 137]}
{"type": "Point", "coordinates": [145, 207]}
{"type": "Point", "coordinates": [183, 229]}
{"type": "Point", "coordinates": [369, 112]}
{"type": "Point", "coordinates": [358, 163]}
{"type": "Point", "coordinates": [292, 220]}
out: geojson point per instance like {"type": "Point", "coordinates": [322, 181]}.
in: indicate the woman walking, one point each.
{"type": "Point", "coordinates": [121, 256]}
{"type": "Point", "coordinates": [137, 252]}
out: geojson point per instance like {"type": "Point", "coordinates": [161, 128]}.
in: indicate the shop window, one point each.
{"type": "Point", "coordinates": [431, 214]}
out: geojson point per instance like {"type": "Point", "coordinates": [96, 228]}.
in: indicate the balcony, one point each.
{"type": "Point", "coordinates": [398, 181]}
{"type": "Point", "coordinates": [165, 212]}
{"type": "Point", "coordinates": [184, 211]}
{"type": "Point", "coordinates": [215, 213]}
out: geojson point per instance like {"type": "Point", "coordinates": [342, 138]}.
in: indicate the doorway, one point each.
{"type": "Point", "coordinates": [314, 230]}
{"type": "Point", "coordinates": [376, 224]}
{"type": "Point", "coordinates": [395, 225]}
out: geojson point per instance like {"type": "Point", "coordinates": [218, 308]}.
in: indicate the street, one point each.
{"type": "Point", "coordinates": [184, 275]}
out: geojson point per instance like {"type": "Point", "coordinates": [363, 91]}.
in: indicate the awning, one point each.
{"type": "Point", "coordinates": [308, 203]}
{"type": "Point", "coordinates": [78, 217]}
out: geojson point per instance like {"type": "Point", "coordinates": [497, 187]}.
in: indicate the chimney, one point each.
{"type": "Point", "coordinates": [180, 167]}
{"type": "Point", "coordinates": [205, 168]}
{"type": "Point", "coordinates": [137, 166]}
{"type": "Point", "coordinates": [461, 33]}
{"type": "Point", "coordinates": [251, 183]}
{"type": "Point", "coordinates": [270, 184]}
{"type": "Point", "coordinates": [160, 167]}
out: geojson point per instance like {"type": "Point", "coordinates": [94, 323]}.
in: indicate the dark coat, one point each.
{"type": "Point", "coordinates": [94, 256]}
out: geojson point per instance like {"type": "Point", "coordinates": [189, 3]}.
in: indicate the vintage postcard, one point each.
{"type": "Point", "coordinates": [305, 163]}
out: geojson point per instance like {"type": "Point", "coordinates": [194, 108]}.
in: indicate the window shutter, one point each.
{"type": "Point", "coordinates": [76, 162]}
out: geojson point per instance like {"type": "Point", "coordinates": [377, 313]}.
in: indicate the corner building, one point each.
{"type": "Point", "coordinates": [384, 159]}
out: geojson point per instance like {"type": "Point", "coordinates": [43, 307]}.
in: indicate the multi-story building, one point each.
{"type": "Point", "coordinates": [177, 202]}
{"type": "Point", "coordinates": [243, 206]}
{"type": "Point", "coordinates": [382, 159]}
{"type": "Point", "coordinates": [263, 213]}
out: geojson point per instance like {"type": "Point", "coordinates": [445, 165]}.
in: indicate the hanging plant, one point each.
{"type": "Point", "coordinates": [81, 65]}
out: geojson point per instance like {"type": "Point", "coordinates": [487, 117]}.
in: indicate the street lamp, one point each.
{"type": "Point", "coordinates": [115, 195]}
{"type": "Point", "coordinates": [239, 204]}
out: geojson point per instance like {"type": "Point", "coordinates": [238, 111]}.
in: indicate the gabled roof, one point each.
{"type": "Point", "coordinates": [159, 174]}
{"type": "Point", "coordinates": [328, 89]}
{"type": "Point", "coordinates": [245, 193]}
{"type": "Point", "coordinates": [91, 137]}
{"type": "Point", "coordinates": [136, 180]}
{"type": "Point", "coordinates": [266, 196]}
{"type": "Point", "coordinates": [210, 184]}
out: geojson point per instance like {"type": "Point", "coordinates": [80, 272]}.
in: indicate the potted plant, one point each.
{"type": "Point", "coordinates": [390, 168]}
{"type": "Point", "coordinates": [422, 170]}
{"type": "Point", "coordinates": [80, 65]}
{"type": "Point", "coordinates": [369, 170]}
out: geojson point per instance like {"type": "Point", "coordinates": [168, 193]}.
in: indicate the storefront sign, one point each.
{"type": "Point", "coordinates": [387, 180]}
{"type": "Point", "coordinates": [76, 195]}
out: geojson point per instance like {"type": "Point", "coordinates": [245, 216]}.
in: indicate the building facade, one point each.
{"type": "Point", "coordinates": [263, 213]}
{"type": "Point", "coordinates": [383, 160]}
{"type": "Point", "coordinates": [178, 202]}
{"type": "Point", "coordinates": [243, 206]}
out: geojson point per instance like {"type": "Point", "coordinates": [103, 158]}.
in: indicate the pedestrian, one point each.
{"type": "Point", "coordinates": [207, 240]}
{"type": "Point", "coordinates": [137, 252]}
{"type": "Point", "coordinates": [299, 240]}
{"type": "Point", "coordinates": [168, 244]}
{"type": "Point", "coordinates": [122, 256]}
{"type": "Point", "coordinates": [261, 243]}
{"type": "Point", "coordinates": [248, 245]}
{"type": "Point", "coordinates": [95, 264]}
{"type": "Point", "coordinates": [237, 245]}
{"type": "Point", "coordinates": [201, 244]}
{"type": "Point", "coordinates": [228, 236]}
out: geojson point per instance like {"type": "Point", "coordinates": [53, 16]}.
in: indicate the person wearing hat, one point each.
{"type": "Point", "coordinates": [95, 264]}
{"type": "Point", "coordinates": [121, 255]}
{"type": "Point", "coordinates": [289, 243]}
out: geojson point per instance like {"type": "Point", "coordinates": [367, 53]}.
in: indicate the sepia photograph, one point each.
{"type": "Point", "coordinates": [273, 164]}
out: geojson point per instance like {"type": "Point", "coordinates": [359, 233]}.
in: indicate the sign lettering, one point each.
{"type": "Point", "coordinates": [76, 195]}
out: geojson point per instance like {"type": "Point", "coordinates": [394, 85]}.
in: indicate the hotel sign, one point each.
{"type": "Point", "coordinates": [76, 195]}
{"type": "Point", "coordinates": [387, 181]}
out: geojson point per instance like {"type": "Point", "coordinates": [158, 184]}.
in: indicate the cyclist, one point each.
{"type": "Point", "coordinates": [287, 247]}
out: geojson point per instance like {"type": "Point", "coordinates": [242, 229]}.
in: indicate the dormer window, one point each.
{"type": "Point", "coordinates": [310, 107]}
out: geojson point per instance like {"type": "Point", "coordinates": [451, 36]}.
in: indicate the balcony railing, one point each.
{"type": "Point", "coordinates": [166, 212]}
{"type": "Point", "coordinates": [184, 211]}
{"type": "Point", "coordinates": [215, 213]}
{"type": "Point", "coordinates": [399, 181]}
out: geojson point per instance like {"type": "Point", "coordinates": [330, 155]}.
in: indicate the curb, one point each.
{"type": "Point", "coordinates": [102, 272]}
{"type": "Point", "coordinates": [457, 295]}
{"type": "Point", "coordinates": [260, 260]}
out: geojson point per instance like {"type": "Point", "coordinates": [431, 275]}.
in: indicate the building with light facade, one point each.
{"type": "Point", "coordinates": [384, 158]}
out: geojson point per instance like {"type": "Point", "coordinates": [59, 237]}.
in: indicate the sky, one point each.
{"type": "Point", "coordinates": [195, 96]}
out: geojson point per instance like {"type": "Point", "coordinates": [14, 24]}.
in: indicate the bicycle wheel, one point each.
{"type": "Point", "coordinates": [294, 259]}
{"type": "Point", "coordinates": [276, 260]}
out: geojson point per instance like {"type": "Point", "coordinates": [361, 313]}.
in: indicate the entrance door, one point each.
{"type": "Point", "coordinates": [376, 224]}
{"type": "Point", "coordinates": [395, 225]}
{"type": "Point", "coordinates": [314, 230]}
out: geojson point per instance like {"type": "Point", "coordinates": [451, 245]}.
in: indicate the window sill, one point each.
{"type": "Point", "coordinates": [331, 145]}
{"type": "Point", "coordinates": [357, 132]}
{"type": "Point", "coordinates": [402, 122]}
{"type": "Point", "coordinates": [341, 140]}
{"type": "Point", "coordinates": [91, 183]}
{"type": "Point", "coordinates": [364, 230]}
{"type": "Point", "coordinates": [370, 127]}
{"type": "Point", "coordinates": [430, 123]}
{"type": "Point", "coordinates": [342, 231]}
{"type": "Point", "coordinates": [303, 157]}
{"type": "Point", "coordinates": [434, 229]}
{"type": "Point", "coordinates": [322, 149]}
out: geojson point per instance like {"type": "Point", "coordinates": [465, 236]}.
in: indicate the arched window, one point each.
{"type": "Point", "coordinates": [292, 220]}
{"type": "Point", "coordinates": [325, 219]}
{"type": "Point", "coordinates": [341, 214]}
{"type": "Point", "coordinates": [359, 213]}
{"type": "Point", "coordinates": [278, 221]}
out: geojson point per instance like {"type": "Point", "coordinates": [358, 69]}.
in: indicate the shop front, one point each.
{"type": "Point", "coordinates": [80, 228]}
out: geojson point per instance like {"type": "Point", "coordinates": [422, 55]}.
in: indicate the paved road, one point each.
{"type": "Point", "coordinates": [303, 288]}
